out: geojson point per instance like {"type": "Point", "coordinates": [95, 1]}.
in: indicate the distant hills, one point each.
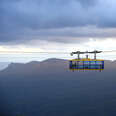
{"type": "Point", "coordinates": [35, 68]}
{"type": "Point", "coordinates": [49, 66]}
{"type": "Point", "coordinates": [3, 65]}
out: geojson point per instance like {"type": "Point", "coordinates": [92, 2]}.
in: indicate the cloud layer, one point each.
{"type": "Point", "coordinates": [56, 20]}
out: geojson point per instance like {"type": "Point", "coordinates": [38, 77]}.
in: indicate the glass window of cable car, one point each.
{"type": "Point", "coordinates": [86, 64]}
{"type": "Point", "coordinates": [80, 63]}
{"type": "Point", "coordinates": [98, 64]}
{"type": "Point", "coordinates": [93, 62]}
{"type": "Point", "coordinates": [74, 64]}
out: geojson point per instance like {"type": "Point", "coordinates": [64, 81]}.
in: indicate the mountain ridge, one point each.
{"type": "Point", "coordinates": [49, 66]}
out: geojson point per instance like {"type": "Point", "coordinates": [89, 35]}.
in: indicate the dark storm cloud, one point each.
{"type": "Point", "coordinates": [87, 2]}
{"type": "Point", "coordinates": [20, 18]}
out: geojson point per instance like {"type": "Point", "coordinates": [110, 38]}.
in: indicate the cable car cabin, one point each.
{"type": "Point", "coordinates": [86, 64]}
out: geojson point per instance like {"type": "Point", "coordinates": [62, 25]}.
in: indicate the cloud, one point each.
{"type": "Point", "coordinates": [22, 20]}
{"type": "Point", "coordinates": [87, 3]}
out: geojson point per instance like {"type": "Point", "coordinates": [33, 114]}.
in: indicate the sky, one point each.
{"type": "Point", "coordinates": [56, 25]}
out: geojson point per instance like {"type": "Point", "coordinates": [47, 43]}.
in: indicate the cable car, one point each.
{"type": "Point", "coordinates": [86, 63]}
